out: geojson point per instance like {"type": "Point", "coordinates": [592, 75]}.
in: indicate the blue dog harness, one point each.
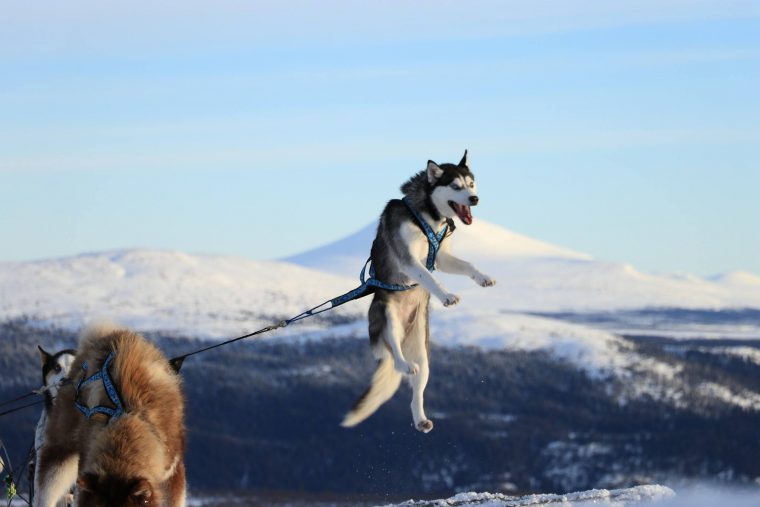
{"type": "Point", "coordinates": [112, 413]}
{"type": "Point", "coordinates": [434, 239]}
{"type": "Point", "coordinates": [434, 245]}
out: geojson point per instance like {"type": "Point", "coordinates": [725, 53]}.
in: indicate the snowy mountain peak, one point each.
{"type": "Point", "coordinates": [482, 238]}
{"type": "Point", "coordinates": [488, 239]}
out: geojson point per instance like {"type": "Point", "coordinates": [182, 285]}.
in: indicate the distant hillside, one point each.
{"type": "Point", "coordinates": [163, 290]}
{"type": "Point", "coordinates": [264, 416]}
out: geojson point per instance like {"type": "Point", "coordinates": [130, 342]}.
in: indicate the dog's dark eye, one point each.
{"type": "Point", "coordinates": [57, 368]}
{"type": "Point", "coordinates": [455, 186]}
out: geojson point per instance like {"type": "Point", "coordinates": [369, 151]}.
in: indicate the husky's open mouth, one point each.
{"type": "Point", "coordinates": [462, 211]}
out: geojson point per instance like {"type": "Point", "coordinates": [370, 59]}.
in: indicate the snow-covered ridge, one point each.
{"type": "Point", "coordinates": [195, 295]}
{"type": "Point", "coordinates": [639, 495]}
{"type": "Point", "coordinates": [223, 297]}
{"type": "Point", "coordinates": [218, 296]}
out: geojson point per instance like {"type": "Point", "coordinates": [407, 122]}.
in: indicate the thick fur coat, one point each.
{"type": "Point", "coordinates": [134, 459]}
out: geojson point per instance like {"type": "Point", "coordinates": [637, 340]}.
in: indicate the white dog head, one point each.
{"type": "Point", "coordinates": [454, 190]}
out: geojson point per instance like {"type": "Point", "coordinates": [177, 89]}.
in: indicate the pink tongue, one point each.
{"type": "Point", "coordinates": [465, 215]}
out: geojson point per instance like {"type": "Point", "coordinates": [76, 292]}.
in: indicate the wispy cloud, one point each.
{"type": "Point", "coordinates": [95, 27]}
{"type": "Point", "coordinates": [173, 153]}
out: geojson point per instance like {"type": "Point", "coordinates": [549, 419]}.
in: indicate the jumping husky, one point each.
{"type": "Point", "coordinates": [402, 255]}
{"type": "Point", "coordinates": [117, 429]}
{"type": "Point", "coordinates": [55, 367]}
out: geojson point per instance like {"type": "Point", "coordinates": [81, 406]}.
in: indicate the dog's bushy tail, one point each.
{"type": "Point", "coordinates": [384, 384]}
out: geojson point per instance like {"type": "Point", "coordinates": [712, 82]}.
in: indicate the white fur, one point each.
{"type": "Point", "coordinates": [53, 380]}
{"type": "Point", "coordinates": [180, 500]}
{"type": "Point", "coordinates": [415, 349]}
{"type": "Point", "coordinates": [394, 332]}
{"type": "Point", "coordinates": [405, 358]}
{"type": "Point", "coordinates": [56, 483]}
{"type": "Point", "coordinates": [442, 195]}
{"type": "Point", "coordinates": [170, 471]}
{"type": "Point", "coordinates": [39, 437]}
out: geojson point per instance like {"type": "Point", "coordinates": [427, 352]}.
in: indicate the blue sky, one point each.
{"type": "Point", "coordinates": [626, 130]}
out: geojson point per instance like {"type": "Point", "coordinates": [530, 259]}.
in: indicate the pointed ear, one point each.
{"type": "Point", "coordinates": [433, 172]}
{"type": "Point", "coordinates": [44, 356]}
{"type": "Point", "coordinates": [463, 162]}
{"type": "Point", "coordinates": [176, 363]}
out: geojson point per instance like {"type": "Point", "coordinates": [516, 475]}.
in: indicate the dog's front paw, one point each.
{"type": "Point", "coordinates": [450, 300]}
{"type": "Point", "coordinates": [425, 426]}
{"type": "Point", "coordinates": [407, 367]}
{"type": "Point", "coordinates": [484, 280]}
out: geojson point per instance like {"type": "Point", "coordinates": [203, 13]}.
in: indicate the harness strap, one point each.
{"type": "Point", "coordinates": [434, 239]}
{"type": "Point", "coordinates": [103, 375]}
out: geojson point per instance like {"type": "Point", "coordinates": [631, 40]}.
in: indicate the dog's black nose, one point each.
{"type": "Point", "coordinates": [473, 200]}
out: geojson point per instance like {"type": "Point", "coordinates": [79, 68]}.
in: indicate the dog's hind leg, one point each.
{"type": "Point", "coordinates": [418, 382]}
{"type": "Point", "coordinates": [386, 378]}
{"type": "Point", "coordinates": [386, 332]}
{"type": "Point", "coordinates": [56, 474]}
{"type": "Point", "coordinates": [416, 347]}
{"type": "Point", "coordinates": [393, 335]}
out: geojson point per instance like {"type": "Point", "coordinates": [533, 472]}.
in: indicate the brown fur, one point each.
{"type": "Point", "coordinates": [136, 459]}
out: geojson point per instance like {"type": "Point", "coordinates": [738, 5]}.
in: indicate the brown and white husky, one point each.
{"type": "Point", "coordinates": [121, 448]}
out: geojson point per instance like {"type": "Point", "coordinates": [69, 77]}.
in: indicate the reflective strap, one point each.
{"type": "Point", "coordinates": [109, 387]}
{"type": "Point", "coordinates": [374, 282]}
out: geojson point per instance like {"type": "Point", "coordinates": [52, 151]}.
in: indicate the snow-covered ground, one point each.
{"type": "Point", "coordinates": [639, 495]}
